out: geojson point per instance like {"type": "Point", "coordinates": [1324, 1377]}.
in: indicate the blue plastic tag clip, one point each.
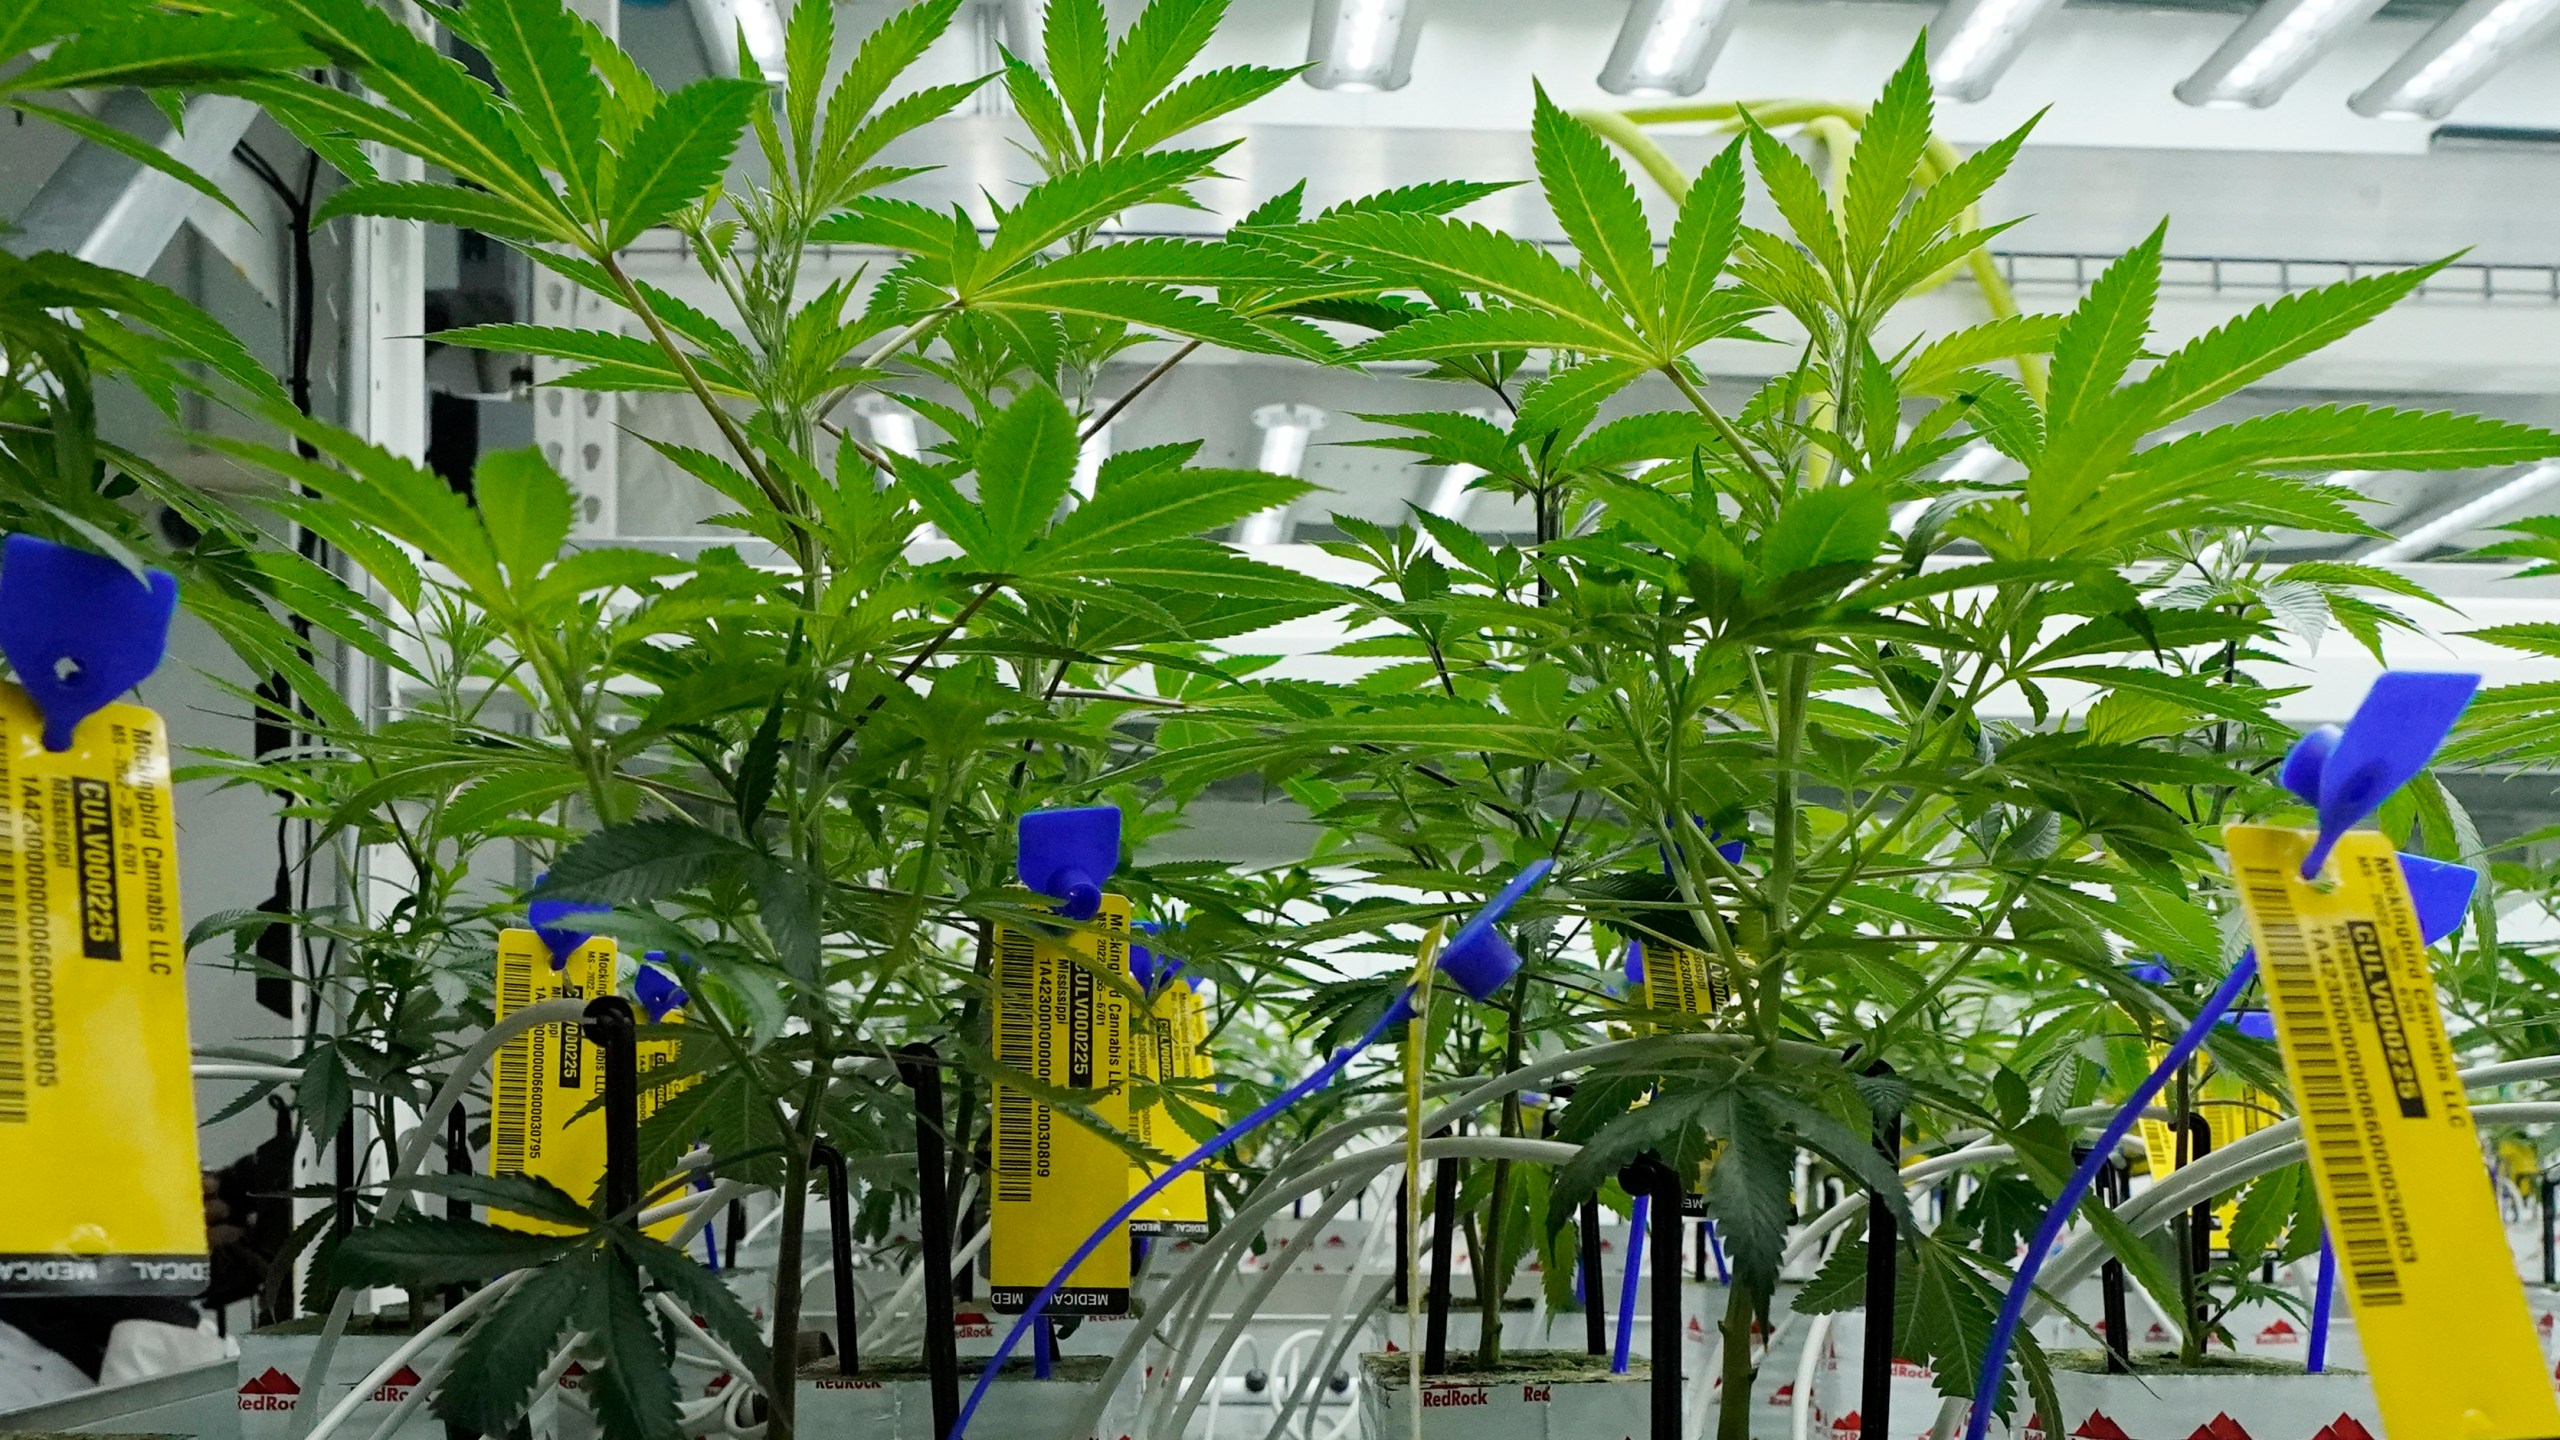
{"type": "Point", "coordinates": [1068, 854]}
{"type": "Point", "coordinates": [79, 629]}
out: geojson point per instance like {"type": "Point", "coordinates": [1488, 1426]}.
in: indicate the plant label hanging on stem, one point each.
{"type": "Point", "coordinates": [545, 1077]}
{"type": "Point", "coordinates": [1059, 1022]}
{"type": "Point", "coordinates": [93, 993]}
{"type": "Point", "coordinates": [1167, 1053]}
{"type": "Point", "coordinates": [2391, 1141]}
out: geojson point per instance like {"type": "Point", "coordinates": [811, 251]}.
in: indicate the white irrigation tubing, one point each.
{"type": "Point", "coordinates": [1342, 1336]}
{"type": "Point", "coordinates": [1815, 1336]}
{"type": "Point", "coordinates": [2257, 1154]}
{"type": "Point", "coordinates": [1218, 1383]}
{"type": "Point", "coordinates": [413, 1153]}
{"type": "Point", "coordinates": [1288, 1346]}
{"type": "Point", "coordinates": [1248, 1218]}
{"type": "Point", "coordinates": [1360, 1258]}
{"type": "Point", "coordinates": [241, 1070]}
{"type": "Point", "coordinates": [1536, 1151]}
{"type": "Point", "coordinates": [408, 1350]}
{"type": "Point", "coordinates": [1276, 1264]}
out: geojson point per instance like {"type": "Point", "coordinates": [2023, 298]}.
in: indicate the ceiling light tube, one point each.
{"type": "Point", "coordinates": [724, 23]}
{"type": "Point", "coordinates": [1451, 498]}
{"type": "Point", "coordinates": [2271, 50]}
{"type": "Point", "coordinates": [1286, 428]}
{"type": "Point", "coordinates": [2463, 50]}
{"type": "Point", "coordinates": [1666, 47]}
{"type": "Point", "coordinates": [1090, 455]}
{"type": "Point", "coordinates": [2471, 515]}
{"type": "Point", "coordinates": [1361, 45]}
{"type": "Point", "coordinates": [1973, 42]}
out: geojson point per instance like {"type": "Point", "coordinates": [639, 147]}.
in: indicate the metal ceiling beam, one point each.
{"type": "Point", "coordinates": [110, 211]}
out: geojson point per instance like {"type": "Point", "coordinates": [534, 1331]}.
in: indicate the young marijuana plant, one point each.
{"type": "Point", "coordinates": [795, 762]}
{"type": "Point", "coordinates": [1757, 618]}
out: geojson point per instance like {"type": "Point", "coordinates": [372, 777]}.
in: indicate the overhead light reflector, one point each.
{"type": "Point", "coordinates": [723, 23]}
{"type": "Point", "coordinates": [2271, 49]}
{"type": "Point", "coordinates": [1286, 428]}
{"type": "Point", "coordinates": [2497, 505]}
{"type": "Point", "coordinates": [1361, 44]}
{"type": "Point", "coordinates": [1666, 47]}
{"type": "Point", "coordinates": [2463, 50]}
{"type": "Point", "coordinates": [1973, 42]}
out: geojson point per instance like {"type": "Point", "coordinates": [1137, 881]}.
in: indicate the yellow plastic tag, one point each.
{"type": "Point", "coordinates": [547, 1075]}
{"type": "Point", "coordinates": [1055, 1180]}
{"type": "Point", "coordinates": [93, 1014]}
{"type": "Point", "coordinates": [1679, 978]}
{"type": "Point", "coordinates": [2391, 1141]}
{"type": "Point", "coordinates": [652, 1055]}
{"type": "Point", "coordinates": [2231, 1109]}
{"type": "Point", "coordinates": [1168, 1048]}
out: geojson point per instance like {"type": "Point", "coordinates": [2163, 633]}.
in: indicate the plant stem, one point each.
{"type": "Point", "coordinates": [1111, 411]}
{"type": "Point", "coordinates": [1733, 1414]}
{"type": "Point", "coordinates": [1723, 428]}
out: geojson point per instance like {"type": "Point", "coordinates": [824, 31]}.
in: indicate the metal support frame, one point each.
{"type": "Point", "coordinates": [109, 210]}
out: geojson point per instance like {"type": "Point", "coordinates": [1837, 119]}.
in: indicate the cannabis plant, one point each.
{"type": "Point", "coordinates": [1752, 613]}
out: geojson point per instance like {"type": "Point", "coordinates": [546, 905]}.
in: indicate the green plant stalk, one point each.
{"type": "Point", "coordinates": [782, 1391]}
{"type": "Point", "coordinates": [1733, 1412]}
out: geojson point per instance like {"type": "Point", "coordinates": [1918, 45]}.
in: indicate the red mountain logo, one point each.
{"type": "Point", "coordinates": [2543, 1324]}
{"type": "Point", "coordinates": [1848, 1424]}
{"type": "Point", "coordinates": [2280, 1333]}
{"type": "Point", "coordinates": [1333, 1242]}
{"type": "Point", "coordinates": [570, 1377]}
{"type": "Point", "coordinates": [397, 1388]}
{"type": "Point", "coordinates": [273, 1390]}
{"type": "Point", "coordinates": [1784, 1394]}
{"type": "Point", "coordinates": [972, 1325]}
{"type": "Point", "coordinates": [2099, 1427]}
{"type": "Point", "coordinates": [2158, 1334]}
{"type": "Point", "coordinates": [2220, 1427]}
{"type": "Point", "coordinates": [2345, 1427]}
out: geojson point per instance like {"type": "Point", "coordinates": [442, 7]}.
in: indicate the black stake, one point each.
{"type": "Point", "coordinates": [608, 1027]}
{"type": "Point", "coordinates": [2115, 1185]}
{"type": "Point", "coordinates": [1595, 1315]}
{"type": "Point", "coordinates": [457, 1161]}
{"type": "Point", "coordinates": [840, 1251]}
{"type": "Point", "coordinates": [736, 1238]}
{"type": "Point", "coordinates": [1444, 1229]}
{"type": "Point", "coordinates": [346, 1151]}
{"type": "Point", "coordinates": [2200, 1219]}
{"type": "Point", "coordinates": [1649, 1176]}
{"type": "Point", "coordinates": [1884, 1239]}
{"type": "Point", "coordinates": [921, 1068]}
{"type": "Point", "coordinates": [2550, 1251]}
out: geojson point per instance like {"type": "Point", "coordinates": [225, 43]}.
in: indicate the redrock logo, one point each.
{"type": "Point", "coordinates": [2345, 1427]}
{"type": "Point", "coordinates": [1784, 1394]}
{"type": "Point", "coordinates": [2280, 1333]}
{"type": "Point", "coordinates": [971, 1325]}
{"type": "Point", "coordinates": [1438, 1396]}
{"type": "Point", "coordinates": [1911, 1370]}
{"type": "Point", "coordinates": [2220, 1427]}
{"type": "Point", "coordinates": [274, 1390]}
{"type": "Point", "coordinates": [397, 1388]}
{"type": "Point", "coordinates": [1848, 1424]}
{"type": "Point", "coordinates": [2099, 1427]}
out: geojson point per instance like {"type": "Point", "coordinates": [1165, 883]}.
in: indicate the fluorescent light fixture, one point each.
{"type": "Point", "coordinates": [1361, 45]}
{"type": "Point", "coordinates": [888, 427]}
{"type": "Point", "coordinates": [1451, 499]}
{"type": "Point", "coordinates": [1973, 42]}
{"type": "Point", "coordinates": [1286, 428]}
{"type": "Point", "coordinates": [2463, 50]}
{"type": "Point", "coordinates": [2497, 505]}
{"type": "Point", "coordinates": [1976, 462]}
{"type": "Point", "coordinates": [1095, 449]}
{"type": "Point", "coordinates": [723, 23]}
{"type": "Point", "coordinates": [1666, 47]}
{"type": "Point", "coordinates": [2271, 49]}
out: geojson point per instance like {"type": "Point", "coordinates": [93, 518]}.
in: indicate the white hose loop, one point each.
{"type": "Point", "coordinates": [1304, 1396]}
{"type": "Point", "coordinates": [1276, 1265]}
{"type": "Point", "coordinates": [241, 1070]}
{"type": "Point", "coordinates": [409, 1350]}
{"type": "Point", "coordinates": [1289, 1345]}
{"type": "Point", "coordinates": [413, 1153]}
{"type": "Point", "coordinates": [1816, 1336]}
{"type": "Point", "coordinates": [1218, 1382]}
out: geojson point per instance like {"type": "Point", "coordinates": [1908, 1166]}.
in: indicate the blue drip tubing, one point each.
{"type": "Point", "coordinates": [2324, 1297]}
{"type": "Point", "coordinates": [1715, 1249]}
{"type": "Point", "coordinates": [2013, 1308]}
{"type": "Point", "coordinates": [1629, 1287]}
{"type": "Point", "coordinates": [1034, 1313]}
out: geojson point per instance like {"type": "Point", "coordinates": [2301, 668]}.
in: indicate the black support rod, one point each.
{"type": "Point", "coordinates": [1884, 1241]}
{"type": "Point", "coordinates": [840, 1252]}
{"type": "Point", "coordinates": [921, 1068]}
{"type": "Point", "coordinates": [608, 1027]}
{"type": "Point", "coordinates": [1444, 1228]}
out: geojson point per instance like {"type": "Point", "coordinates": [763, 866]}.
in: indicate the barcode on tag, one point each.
{"type": "Point", "coordinates": [511, 1102]}
{"type": "Point", "coordinates": [13, 980]}
{"type": "Point", "coordinates": [2321, 1054]}
{"type": "Point", "coordinates": [1017, 1020]}
{"type": "Point", "coordinates": [2387, 1129]}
